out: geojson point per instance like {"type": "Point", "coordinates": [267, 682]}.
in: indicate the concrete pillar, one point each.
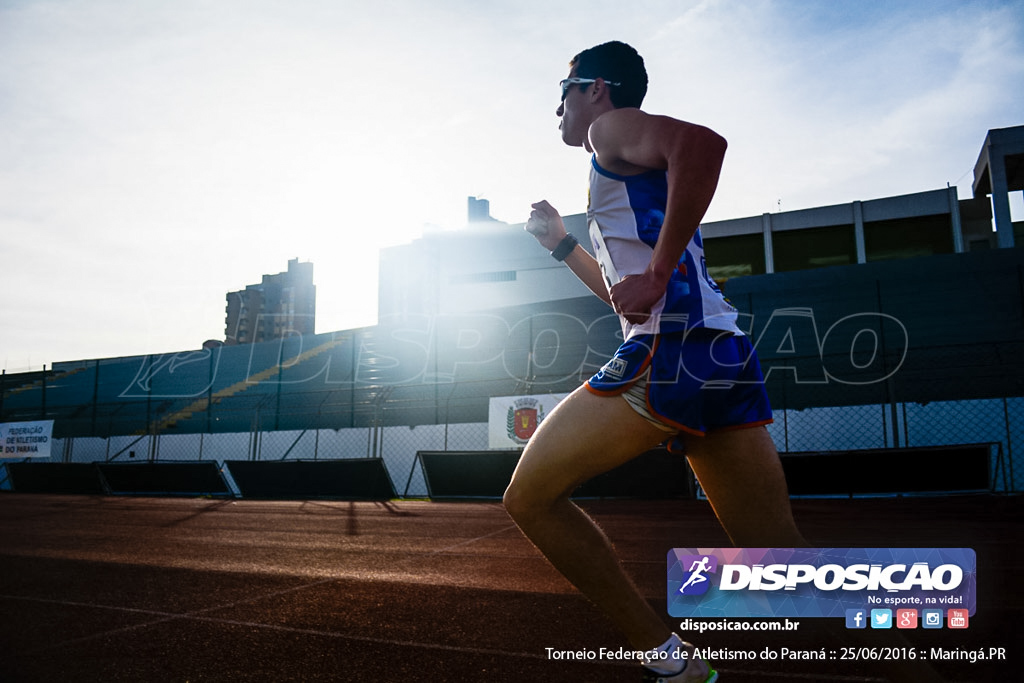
{"type": "Point", "coordinates": [858, 232]}
{"type": "Point", "coordinates": [769, 250]}
{"type": "Point", "coordinates": [990, 177]}
{"type": "Point", "coordinates": [1000, 198]}
{"type": "Point", "coordinates": [954, 218]}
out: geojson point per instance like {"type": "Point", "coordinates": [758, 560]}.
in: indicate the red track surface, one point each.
{"type": "Point", "coordinates": [158, 589]}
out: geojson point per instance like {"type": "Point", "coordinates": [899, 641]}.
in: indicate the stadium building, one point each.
{"type": "Point", "coordinates": [888, 327]}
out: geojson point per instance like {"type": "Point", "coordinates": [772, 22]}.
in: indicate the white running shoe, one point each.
{"type": "Point", "coordinates": [696, 671]}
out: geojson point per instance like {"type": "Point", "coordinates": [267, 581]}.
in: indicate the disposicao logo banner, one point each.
{"type": "Point", "coordinates": [817, 582]}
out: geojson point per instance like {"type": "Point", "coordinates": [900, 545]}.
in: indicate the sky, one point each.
{"type": "Point", "coordinates": [156, 155]}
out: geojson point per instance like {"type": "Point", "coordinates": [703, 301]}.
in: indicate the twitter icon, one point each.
{"type": "Point", "coordinates": [881, 618]}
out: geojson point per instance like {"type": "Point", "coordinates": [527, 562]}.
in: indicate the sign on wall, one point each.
{"type": "Point", "coordinates": [26, 439]}
{"type": "Point", "coordinates": [512, 420]}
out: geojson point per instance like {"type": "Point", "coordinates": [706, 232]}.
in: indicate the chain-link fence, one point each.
{"type": "Point", "coordinates": [997, 421]}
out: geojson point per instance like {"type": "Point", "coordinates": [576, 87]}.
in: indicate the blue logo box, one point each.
{"type": "Point", "coordinates": [818, 582]}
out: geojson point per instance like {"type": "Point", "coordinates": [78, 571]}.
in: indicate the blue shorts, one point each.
{"type": "Point", "coordinates": [694, 382]}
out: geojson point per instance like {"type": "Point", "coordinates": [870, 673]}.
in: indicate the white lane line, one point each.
{"type": "Point", "coordinates": [163, 617]}
{"type": "Point", "coordinates": [198, 616]}
{"type": "Point", "coordinates": [471, 541]}
{"type": "Point", "coordinates": [389, 642]}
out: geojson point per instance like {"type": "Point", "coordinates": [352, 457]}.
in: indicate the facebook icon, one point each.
{"type": "Point", "coordinates": [856, 618]}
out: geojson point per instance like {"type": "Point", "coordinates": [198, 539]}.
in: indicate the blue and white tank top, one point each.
{"type": "Point", "coordinates": [625, 214]}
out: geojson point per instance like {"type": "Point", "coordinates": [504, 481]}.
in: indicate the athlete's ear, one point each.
{"type": "Point", "coordinates": [600, 89]}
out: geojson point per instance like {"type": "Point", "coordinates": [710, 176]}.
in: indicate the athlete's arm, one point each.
{"type": "Point", "coordinates": [546, 225]}
{"type": "Point", "coordinates": [629, 141]}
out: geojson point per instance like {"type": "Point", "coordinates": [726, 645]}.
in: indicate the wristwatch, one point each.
{"type": "Point", "coordinates": [565, 247]}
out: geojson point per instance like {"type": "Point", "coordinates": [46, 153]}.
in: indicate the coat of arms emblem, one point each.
{"type": "Point", "coordinates": [523, 417]}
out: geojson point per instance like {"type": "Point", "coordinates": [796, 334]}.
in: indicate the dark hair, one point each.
{"type": "Point", "coordinates": [615, 62]}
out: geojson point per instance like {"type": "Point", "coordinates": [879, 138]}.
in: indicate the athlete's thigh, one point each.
{"type": "Point", "coordinates": [585, 435]}
{"type": "Point", "coordinates": [742, 476]}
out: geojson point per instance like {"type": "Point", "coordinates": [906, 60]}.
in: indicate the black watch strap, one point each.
{"type": "Point", "coordinates": [565, 247]}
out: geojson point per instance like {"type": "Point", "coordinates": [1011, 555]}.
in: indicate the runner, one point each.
{"type": "Point", "coordinates": [685, 373]}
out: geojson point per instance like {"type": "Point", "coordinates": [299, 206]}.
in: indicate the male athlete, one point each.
{"type": "Point", "coordinates": [685, 371]}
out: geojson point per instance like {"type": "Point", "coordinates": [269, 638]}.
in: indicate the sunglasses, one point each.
{"type": "Point", "coordinates": [578, 81]}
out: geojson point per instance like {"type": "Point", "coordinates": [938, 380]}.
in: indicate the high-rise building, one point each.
{"type": "Point", "coordinates": [280, 306]}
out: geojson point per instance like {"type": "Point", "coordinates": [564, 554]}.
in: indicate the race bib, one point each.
{"type": "Point", "coordinates": [604, 259]}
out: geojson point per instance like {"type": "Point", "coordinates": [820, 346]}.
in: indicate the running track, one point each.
{"type": "Point", "coordinates": [163, 589]}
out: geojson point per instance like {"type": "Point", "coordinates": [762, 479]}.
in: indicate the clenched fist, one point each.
{"type": "Point", "coordinates": [546, 225]}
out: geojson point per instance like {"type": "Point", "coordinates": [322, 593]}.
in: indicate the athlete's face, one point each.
{"type": "Point", "coordinates": [573, 112]}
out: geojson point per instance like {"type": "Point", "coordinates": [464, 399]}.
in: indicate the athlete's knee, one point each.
{"type": "Point", "coordinates": [526, 500]}
{"type": "Point", "coordinates": [512, 501]}
{"type": "Point", "coordinates": [520, 502]}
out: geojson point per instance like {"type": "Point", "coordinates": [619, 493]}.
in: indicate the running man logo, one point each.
{"type": "Point", "coordinates": [695, 581]}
